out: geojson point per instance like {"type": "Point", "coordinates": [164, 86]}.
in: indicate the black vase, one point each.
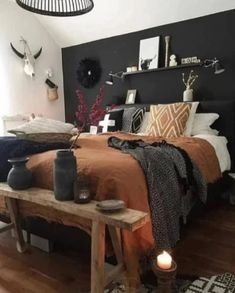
{"type": "Point", "coordinates": [19, 177]}
{"type": "Point", "coordinates": [64, 173]}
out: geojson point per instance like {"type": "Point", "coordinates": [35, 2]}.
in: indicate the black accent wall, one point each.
{"type": "Point", "coordinates": [205, 37]}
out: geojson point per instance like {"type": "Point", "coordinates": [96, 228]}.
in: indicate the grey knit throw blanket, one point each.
{"type": "Point", "coordinates": [166, 169]}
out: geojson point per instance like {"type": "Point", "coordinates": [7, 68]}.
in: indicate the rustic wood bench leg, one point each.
{"type": "Point", "coordinates": [15, 219]}
{"type": "Point", "coordinates": [116, 242]}
{"type": "Point", "coordinates": [115, 235]}
{"type": "Point", "coordinates": [97, 257]}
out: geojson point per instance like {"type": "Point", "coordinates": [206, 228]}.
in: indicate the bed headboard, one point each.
{"type": "Point", "coordinates": [225, 124]}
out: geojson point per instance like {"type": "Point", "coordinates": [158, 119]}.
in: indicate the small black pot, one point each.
{"type": "Point", "coordinates": [64, 173]}
{"type": "Point", "coordinates": [19, 177]}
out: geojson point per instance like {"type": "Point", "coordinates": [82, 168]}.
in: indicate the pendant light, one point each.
{"type": "Point", "coordinates": [57, 7]}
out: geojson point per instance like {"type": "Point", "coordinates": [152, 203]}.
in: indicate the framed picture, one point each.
{"type": "Point", "coordinates": [149, 53]}
{"type": "Point", "coordinates": [130, 97]}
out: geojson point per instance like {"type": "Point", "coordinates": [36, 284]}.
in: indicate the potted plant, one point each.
{"type": "Point", "coordinates": [188, 93]}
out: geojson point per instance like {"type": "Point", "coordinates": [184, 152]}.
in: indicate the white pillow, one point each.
{"type": "Point", "coordinates": [41, 124]}
{"type": "Point", "coordinates": [144, 123]}
{"type": "Point", "coordinates": [189, 124]}
{"type": "Point", "coordinates": [202, 123]}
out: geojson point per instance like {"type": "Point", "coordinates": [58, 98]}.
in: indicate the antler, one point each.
{"type": "Point", "coordinates": [38, 53]}
{"type": "Point", "coordinates": [17, 52]}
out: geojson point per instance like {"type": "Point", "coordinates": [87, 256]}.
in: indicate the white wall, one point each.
{"type": "Point", "coordinates": [19, 93]}
{"type": "Point", "coordinates": [116, 17]}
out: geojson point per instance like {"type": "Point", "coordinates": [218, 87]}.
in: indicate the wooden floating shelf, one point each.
{"type": "Point", "coordinates": [163, 69]}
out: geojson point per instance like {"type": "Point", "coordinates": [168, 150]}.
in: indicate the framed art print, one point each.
{"type": "Point", "coordinates": [149, 53]}
{"type": "Point", "coordinates": [131, 95]}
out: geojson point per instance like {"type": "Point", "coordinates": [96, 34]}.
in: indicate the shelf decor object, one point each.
{"type": "Point", "coordinates": [57, 7]}
{"type": "Point", "coordinates": [167, 44]}
{"type": "Point", "coordinates": [188, 93]}
{"type": "Point", "coordinates": [149, 53]}
{"type": "Point", "coordinates": [131, 95]}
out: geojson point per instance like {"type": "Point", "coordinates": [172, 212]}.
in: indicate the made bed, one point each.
{"type": "Point", "coordinates": [114, 174]}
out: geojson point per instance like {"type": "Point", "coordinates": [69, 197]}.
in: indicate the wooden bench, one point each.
{"type": "Point", "coordinates": [127, 219]}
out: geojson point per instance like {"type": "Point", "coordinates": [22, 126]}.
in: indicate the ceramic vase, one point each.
{"type": "Point", "coordinates": [19, 177]}
{"type": "Point", "coordinates": [188, 95]}
{"type": "Point", "coordinates": [64, 174]}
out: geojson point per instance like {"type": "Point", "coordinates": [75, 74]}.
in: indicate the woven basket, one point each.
{"type": "Point", "coordinates": [49, 137]}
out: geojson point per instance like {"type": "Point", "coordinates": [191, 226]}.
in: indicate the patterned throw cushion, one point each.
{"type": "Point", "coordinates": [137, 119]}
{"type": "Point", "coordinates": [112, 121]}
{"type": "Point", "coordinates": [42, 125]}
{"type": "Point", "coordinates": [145, 122]}
{"type": "Point", "coordinates": [46, 137]}
{"type": "Point", "coordinates": [127, 119]}
{"type": "Point", "coordinates": [202, 124]}
{"type": "Point", "coordinates": [168, 120]}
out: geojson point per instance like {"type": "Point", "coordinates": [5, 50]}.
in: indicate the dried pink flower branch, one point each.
{"type": "Point", "coordinates": [96, 113]}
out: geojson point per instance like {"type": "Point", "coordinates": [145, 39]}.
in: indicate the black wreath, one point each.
{"type": "Point", "coordinates": [89, 72]}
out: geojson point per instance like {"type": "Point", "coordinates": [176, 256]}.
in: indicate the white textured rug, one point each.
{"type": "Point", "coordinates": [217, 284]}
{"type": "Point", "coordinates": [224, 283]}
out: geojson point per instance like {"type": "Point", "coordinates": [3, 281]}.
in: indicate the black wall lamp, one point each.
{"type": "Point", "coordinates": [215, 63]}
{"type": "Point", "coordinates": [112, 75]}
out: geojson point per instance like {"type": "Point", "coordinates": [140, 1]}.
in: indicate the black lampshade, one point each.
{"type": "Point", "coordinates": [215, 63]}
{"type": "Point", "coordinates": [57, 7]}
{"type": "Point", "coordinates": [110, 80]}
{"type": "Point", "coordinates": [218, 68]}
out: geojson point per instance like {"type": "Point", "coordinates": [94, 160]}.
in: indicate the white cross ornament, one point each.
{"type": "Point", "coordinates": [106, 123]}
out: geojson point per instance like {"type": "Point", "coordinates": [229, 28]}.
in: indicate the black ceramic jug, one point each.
{"type": "Point", "coordinates": [64, 173]}
{"type": "Point", "coordinates": [19, 177]}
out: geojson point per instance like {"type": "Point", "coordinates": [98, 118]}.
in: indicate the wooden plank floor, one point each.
{"type": "Point", "coordinates": [40, 272]}
{"type": "Point", "coordinates": [207, 247]}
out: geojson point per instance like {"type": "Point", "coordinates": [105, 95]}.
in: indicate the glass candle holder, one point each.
{"type": "Point", "coordinates": [82, 190]}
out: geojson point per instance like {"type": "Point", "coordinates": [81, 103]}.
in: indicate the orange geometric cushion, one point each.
{"type": "Point", "coordinates": [168, 120]}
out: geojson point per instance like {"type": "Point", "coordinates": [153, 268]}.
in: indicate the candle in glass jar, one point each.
{"type": "Point", "coordinates": [164, 261]}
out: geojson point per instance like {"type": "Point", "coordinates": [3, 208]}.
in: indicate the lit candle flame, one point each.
{"type": "Point", "coordinates": [164, 260]}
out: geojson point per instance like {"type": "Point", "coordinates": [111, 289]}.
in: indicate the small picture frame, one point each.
{"type": "Point", "coordinates": [130, 97]}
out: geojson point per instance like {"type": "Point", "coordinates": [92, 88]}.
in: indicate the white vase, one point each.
{"type": "Point", "coordinates": [188, 95]}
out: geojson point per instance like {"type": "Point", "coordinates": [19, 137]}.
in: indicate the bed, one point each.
{"type": "Point", "coordinates": [114, 174]}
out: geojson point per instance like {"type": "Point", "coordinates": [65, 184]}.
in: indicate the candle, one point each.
{"type": "Point", "coordinates": [164, 261]}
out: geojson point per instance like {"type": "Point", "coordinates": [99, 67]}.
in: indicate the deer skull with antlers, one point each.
{"type": "Point", "coordinates": [28, 57]}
